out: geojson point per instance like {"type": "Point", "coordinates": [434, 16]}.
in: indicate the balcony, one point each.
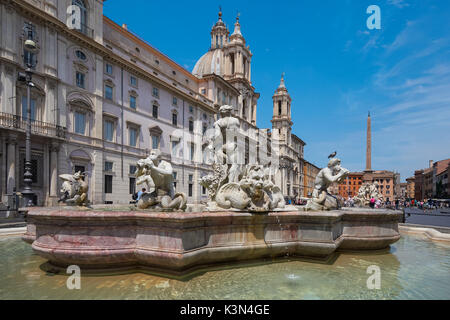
{"type": "Point", "coordinates": [14, 122]}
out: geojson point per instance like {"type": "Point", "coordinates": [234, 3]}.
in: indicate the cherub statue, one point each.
{"type": "Point", "coordinates": [74, 189]}
{"type": "Point", "coordinates": [157, 174]}
{"type": "Point", "coordinates": [321, 199]}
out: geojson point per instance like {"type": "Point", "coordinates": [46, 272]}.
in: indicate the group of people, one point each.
{"type": "Point", "coordinates": [374, 203]}
{"type": "Point", "coordinates": [429, 204]}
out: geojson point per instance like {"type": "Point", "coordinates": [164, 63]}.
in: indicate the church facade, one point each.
{"type": "Point", "coordinates": [103, 98]}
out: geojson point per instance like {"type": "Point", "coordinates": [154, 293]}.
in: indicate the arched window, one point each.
{"type": "Point", "coordinates": [81, 4]}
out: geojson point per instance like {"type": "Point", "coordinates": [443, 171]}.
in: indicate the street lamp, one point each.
{"type": "Point", "coordinates": [30, 46]}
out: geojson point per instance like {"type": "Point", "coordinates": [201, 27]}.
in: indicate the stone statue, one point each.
{"type": "Point", "coordinates": [227, 125]}
{"type": "Point", "coordinates": [321, 199]}
{"type": "Point", "coordinates": [234, 186]}
{"type": "Point", "coordinates": [74, 189]}
{"type": "Point", "coordinates": [157, 175]}
{"type": "Point", "coordinates": [366, 192]}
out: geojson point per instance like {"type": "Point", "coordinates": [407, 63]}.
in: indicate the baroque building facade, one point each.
{"type": "Point", "coordinates": [103, 98]}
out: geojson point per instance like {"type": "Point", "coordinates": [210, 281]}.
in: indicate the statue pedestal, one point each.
{"type": "Point", "coordinates": [178, 242]}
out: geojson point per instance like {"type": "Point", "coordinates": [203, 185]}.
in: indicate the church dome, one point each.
{"type": "Point", "coordinates": [210, 62]}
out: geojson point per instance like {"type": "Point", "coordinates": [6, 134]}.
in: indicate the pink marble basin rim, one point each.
{"type": "Point", "coordinates": [178, 241]}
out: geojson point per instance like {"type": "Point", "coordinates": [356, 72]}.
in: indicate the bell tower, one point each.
{"type": "Point", "coordinates": [237, 56]}
{"type": "Point", "coordinates": [219, 33]}
{"type": "Point", "coordinates": [281, 120]}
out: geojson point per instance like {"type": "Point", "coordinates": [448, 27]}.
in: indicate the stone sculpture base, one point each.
{"type": "Point", "coordinates": [174, 242]}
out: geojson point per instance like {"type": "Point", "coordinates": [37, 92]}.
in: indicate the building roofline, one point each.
{"type": "Point", "coordinates": [133, 36]}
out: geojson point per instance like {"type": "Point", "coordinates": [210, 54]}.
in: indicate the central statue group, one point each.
{"type": "Point", "coordinates": [233, 185]}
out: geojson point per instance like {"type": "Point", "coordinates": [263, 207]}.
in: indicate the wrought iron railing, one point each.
{"type": "Point", "coordinates": [12, 121]}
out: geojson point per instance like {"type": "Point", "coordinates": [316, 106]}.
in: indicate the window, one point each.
{"type": "Point", "coordinates": [80, 80]}
{"type": "Point", "coordinates": [155, 142]}
{"type": "Point", "coordinates": [132, 187]}
{"type": "Point", "coordinates": [174, 119]}
{"type": "Point", "coordinates": [108, 183]}
{"type": "Point", "coordinates": [109, 130]}
{"type": "Point", "coordinates": [204, 128]}
{"type": "Point", "coordinates": [155, 111]}
{"type": "Point", "coordinates": [132, 169]}
{"type": "Point", "coordinates": [205, 117]}
{"type": "Point", "coordinates": [203, 190]}
{"type": "Point", "coordinates": [132, 137]}
{"type": "Point", "coordinates": [191, 109]}
{"type": "Point", "coordinates": [79, 169]}
{"type": "Point", "coordinates": [133, 81]}
{"type": "Point", "coordinates": [192, 152]}
{"type": "Point", "coordinates": [132, 102]}
{"type": "Point", "coordinates": [109, 68]}
{"type": "Point", "coordinates": [175, 148]}
{"type": "Point", "coordinates": [191, 180]}
{"type": "Point", "coordinates": [24, 109]}
{"type": "Point", "coordinates": [191, 126]}
{"type": "Point", "coordinates": [83, 17]}
{"type": "Point", "coordinates": [108, 166]}
{"type": "Point", "coordinates": [155, 92]}
{"type": "Point", "coordinates": [108, 92]}
{"type": "Point", "coordinates": [204, 91]}
{"type": "Point", "coordinates": [80, 122]}
{"type": "Point", "coordinates": [174, 101]}
{"type": "Point", "coordinates": [174, 175]}
{"type": "Point", "coordinates": [80, 55]}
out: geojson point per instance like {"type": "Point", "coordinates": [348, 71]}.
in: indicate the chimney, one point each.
{"type": "Point", "coordinates": [431, 163]}
{"type": "Point", "coordinates": [125, 26]}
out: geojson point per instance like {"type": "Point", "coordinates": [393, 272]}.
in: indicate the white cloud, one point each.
{"type": "Point", "coordinates": [398, 3]}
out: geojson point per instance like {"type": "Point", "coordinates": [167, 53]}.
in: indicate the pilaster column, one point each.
{"type": "Point", "coordinates": [54, 149]}
{"type": "Point", "coordinates": [11, 164]}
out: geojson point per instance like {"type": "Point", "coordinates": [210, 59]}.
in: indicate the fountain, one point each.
{"type": "Point", "coordinates": [241, 222]}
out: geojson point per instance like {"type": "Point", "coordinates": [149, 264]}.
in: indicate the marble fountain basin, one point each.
{"type": "Point", "coordinates": [178, 242]}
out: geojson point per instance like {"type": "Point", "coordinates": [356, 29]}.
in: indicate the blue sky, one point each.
{"type": "Point", "coordinates": [336, 69]}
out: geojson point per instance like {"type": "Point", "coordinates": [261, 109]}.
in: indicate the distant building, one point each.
{"type": "Point", "coordinates": [432, 182]}
{"type": "Point", "coordinates": [310, 172]}
{"type": "Point", "coordinates": [350, 186]}
{"type": "Point", "coordinates": [403, 194]}
{"type": "Point", "coordinates": [440, 179]}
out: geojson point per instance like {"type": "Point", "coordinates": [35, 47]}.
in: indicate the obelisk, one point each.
{"type": "Point", "coordinates": [369, 146]}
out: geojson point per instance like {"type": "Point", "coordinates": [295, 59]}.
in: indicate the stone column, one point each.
{"type": "Point", "coordinates": [11, 164]}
